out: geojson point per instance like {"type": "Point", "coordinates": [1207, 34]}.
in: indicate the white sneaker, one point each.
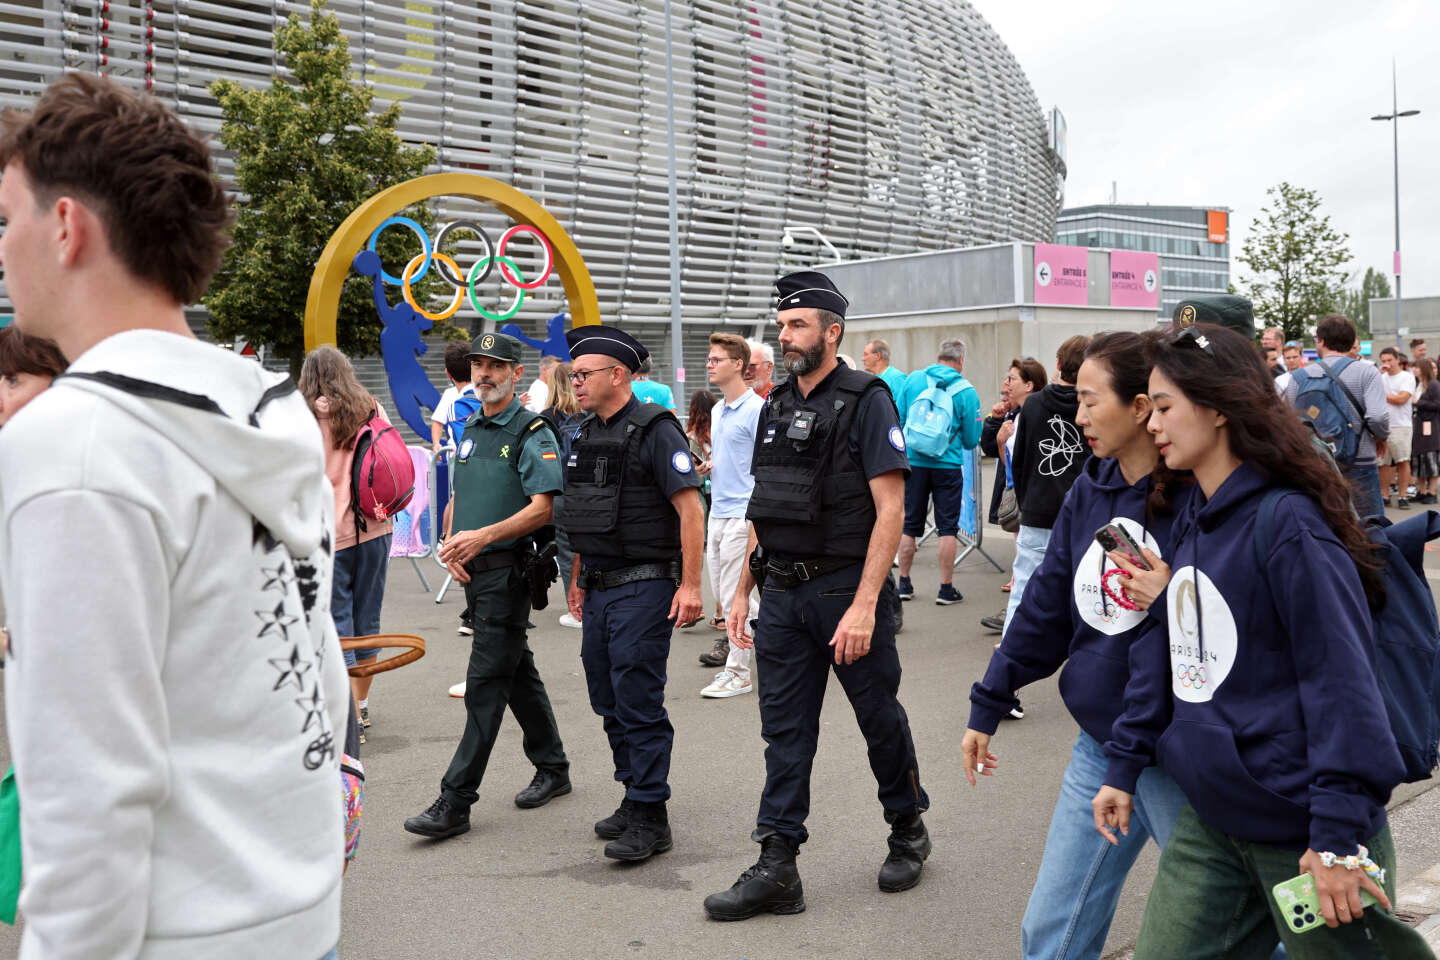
{"type": "Point", "coordinates": [568, 621]}
{"type": "Point", "coordinates": [726, 684]}
{"type": "Point", "coordinates": [458, 690]}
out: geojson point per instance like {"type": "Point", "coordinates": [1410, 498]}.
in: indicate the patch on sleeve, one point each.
{"type": "Point", "coordinates": [548, 455]}
{"type": "Point", "coordinates": [897, 439]}
{"type": "Point", "coordinates": [681, 462]}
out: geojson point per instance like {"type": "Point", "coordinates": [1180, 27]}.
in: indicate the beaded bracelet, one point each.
{"type": "Point", "coordinates": [1354, 861]}
{"type": "Point", "coordinates": [1122, 599]}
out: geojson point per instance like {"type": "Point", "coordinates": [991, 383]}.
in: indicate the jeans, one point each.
{"type": "Point", "coordinates": [1030, 547]}
{"type": "Point", "coordinates": [1212, 899]}
{"type": "Point", "coordinates": [357, 589]}
{"type": "Point", "coordinates": [1081, 873]}
{"type": "Point", "coordinates": [1365, 490]}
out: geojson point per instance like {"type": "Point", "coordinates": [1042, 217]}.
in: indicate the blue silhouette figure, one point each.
{"type": "Point", "coordinates": [400, 346]}
{"type": "Point", "coordinates": [553, 345]}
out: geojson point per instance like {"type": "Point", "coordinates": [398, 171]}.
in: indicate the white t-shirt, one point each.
{"type": "Point", "coordinates": [539, 396]}
{"type": "Point", "coordinates": [1400, 414]}
{"type": "Point", "coordinates": [445, 409]}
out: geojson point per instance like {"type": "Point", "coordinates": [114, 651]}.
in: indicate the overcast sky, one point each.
{"type": "Point", "coordinates": [1211, 103]}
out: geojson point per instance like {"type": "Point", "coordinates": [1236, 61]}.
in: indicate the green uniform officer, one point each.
{"type": "Point", "coordinates": [507, 473]}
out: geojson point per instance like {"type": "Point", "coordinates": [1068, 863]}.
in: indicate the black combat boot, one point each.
{"type": "Point", "coordinates": [773, 884]}
{"type": "Point", "coordinates": [615, 824]}
{"type": "Point", "coordinates": [909, 846]}
{"type": "Point", "coordinates": [547, 785]}
{"type": "Point", "coordinates": [647, 834]}
{"type": "Point", "coordinates": [443, 819]}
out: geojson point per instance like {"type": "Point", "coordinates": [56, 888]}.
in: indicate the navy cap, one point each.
{"type": "Point", "coordinates": [609, 341]}
{"type": "Point", "coordinates": [810, 288]}
{"type": "Point", "coordinates": [497, 346]}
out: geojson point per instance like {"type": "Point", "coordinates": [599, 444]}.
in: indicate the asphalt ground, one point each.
{"type": "Point", "coordinates": [534, 883]}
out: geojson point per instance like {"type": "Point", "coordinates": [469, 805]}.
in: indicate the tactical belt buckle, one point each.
{"type": "Point", "coordinates": [802, 572]}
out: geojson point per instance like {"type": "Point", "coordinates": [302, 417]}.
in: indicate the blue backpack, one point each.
{"type": "Point", "coordinates": [1406, 631]}
{"type": "Point", "coordinates": [464, 408]}
{"type": "Point", "coordinates": [930, 421]}
{"type": "Point", "coordinates": [1321, 402]}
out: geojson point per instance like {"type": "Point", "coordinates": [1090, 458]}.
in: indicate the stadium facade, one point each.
{"type": "Point", "coordinates": [889, 128]}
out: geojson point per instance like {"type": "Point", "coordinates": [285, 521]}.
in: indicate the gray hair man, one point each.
{"type": "Point", "coordinates": [937, 476]}
{"type": "Point", "coordinates": [876, 360]}
{"type": "Point", "coordinates": [760, 371]}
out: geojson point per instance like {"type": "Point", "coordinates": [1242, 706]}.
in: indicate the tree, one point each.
{"type": "Point", "coordinates": [1295, 257]}
{"type": "Point", "coordinates": [307, 151]}
{"type": "Point", "coordinates": [1355, 301]}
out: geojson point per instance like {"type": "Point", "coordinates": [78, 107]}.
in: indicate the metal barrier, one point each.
{"type": "Point", "coordinates": [970, 542]}
{"type": "Point", "coordinates": [416, 525]}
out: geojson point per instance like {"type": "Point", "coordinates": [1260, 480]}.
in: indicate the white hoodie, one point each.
{"type": "Point", "coordinates": [174, 691]}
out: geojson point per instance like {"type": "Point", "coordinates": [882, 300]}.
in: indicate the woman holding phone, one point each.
{"type": "Point", "coordinates": [1253, 685]}
{"type": "Point", "coordinates": [1068, 619]}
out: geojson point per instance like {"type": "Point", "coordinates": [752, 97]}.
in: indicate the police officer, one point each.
{"type": "Point", "coordinates": [507, 473]}
{"type": "Point", "coordinates": [632, 510]}
{"type": "Point", "coordinates": [826, 511]}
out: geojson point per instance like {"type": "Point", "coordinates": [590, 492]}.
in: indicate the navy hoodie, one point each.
{"type": "Point", "coordinates": [1255, 688]}
{"type": "Point", "coordinates": [1065, 618]}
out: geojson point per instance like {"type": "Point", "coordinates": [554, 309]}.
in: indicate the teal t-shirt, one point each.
{"type": "Point", "coordinates": [648, 391]}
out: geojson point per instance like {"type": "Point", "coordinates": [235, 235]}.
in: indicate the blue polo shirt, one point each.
{"type": "Point", "coordinates": [732, 445]}
{"type": "Point", "coordinates": [648, 391]}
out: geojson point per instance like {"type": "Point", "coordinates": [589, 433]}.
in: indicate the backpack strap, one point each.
{"type": "Point", "coordinates": [1263, 532]}
{"type": "Point", "coordinates": [1359, 407]}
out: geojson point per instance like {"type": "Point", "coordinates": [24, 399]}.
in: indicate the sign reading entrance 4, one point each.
{"type": "Point", "coordinates": [1133, 279]}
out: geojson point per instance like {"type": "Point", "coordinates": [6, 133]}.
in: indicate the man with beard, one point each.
{"type": "Point", "coordinates": [826, 510]}
{"type": "Point", "coordinates": [507, 473]}
{"type": "Point", "coordinates": [632, 510]}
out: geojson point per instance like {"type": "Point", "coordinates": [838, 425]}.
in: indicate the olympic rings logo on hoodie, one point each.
{"type": "Point", "coordinates": [1203, 636]}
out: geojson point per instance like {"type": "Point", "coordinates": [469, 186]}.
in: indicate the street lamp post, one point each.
{"type": "Point", "coordinates": [1394, 117]}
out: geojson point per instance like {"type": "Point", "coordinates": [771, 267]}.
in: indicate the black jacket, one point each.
{"type": "Point", "coordinates": [990, 448]}
{"type": "Point", "coordinates": [1050, 453]}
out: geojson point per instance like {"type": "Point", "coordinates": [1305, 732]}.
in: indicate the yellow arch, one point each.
{"type": "Point", "coordinates": [322, 305]}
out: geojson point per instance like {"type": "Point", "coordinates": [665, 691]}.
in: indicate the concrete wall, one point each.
{"type": "Point", "coordinates": [1420, 314]}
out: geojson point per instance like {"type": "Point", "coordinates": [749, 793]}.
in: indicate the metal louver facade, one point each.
{"type": "Point", "coordinates": [890, 127]}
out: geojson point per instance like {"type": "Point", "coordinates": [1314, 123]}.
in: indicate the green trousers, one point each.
{"type": "Point", "coordinates": [1213, 899]}
{"type": "Point", "coordinates": [501, 672]}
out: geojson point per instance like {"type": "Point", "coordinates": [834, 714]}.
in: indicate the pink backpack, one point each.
{"type": "Point", "coordinates": [382, 478]}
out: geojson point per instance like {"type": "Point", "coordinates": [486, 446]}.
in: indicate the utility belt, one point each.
{"type": "Point", "coordinates": [593, 579]}
{"type": "Point", "coordinates": [536, 566]}
{"type": "Point", "coordinates": [790, 572]}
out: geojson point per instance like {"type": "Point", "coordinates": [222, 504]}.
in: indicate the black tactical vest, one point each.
{"type": "Point", "coordinates": [613, 506]}
{"type": "Point", "coordinates": [811, 497]}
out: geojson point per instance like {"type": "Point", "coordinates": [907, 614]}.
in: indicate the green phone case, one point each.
{"type": "Point", "coordinates": [1300, 905]}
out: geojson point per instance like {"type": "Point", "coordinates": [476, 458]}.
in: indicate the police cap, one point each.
{"type": "Point", "coordinates": [1221, 309]}
{"type": "Point", "coordinates": [609, 341]}
{"type": "Point", "coordinates": [810, 288]}
{"type": "Point", "coordinates": [497, 346]}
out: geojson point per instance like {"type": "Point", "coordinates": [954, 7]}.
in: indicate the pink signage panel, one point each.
{"type": "Point", "coordinates": [1060, 274]}
{"type": "Point", "coordinates": [1134, 279]}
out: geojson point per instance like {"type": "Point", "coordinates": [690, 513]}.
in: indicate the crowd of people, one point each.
{"type": "Point", "coordinates": [1192, 556]}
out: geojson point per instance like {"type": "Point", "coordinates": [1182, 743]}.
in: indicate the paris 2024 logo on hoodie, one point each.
{"type": "Point", "coordinates": [1203, 637]}
{"type": "Point", "coordinates": [1096, 609]}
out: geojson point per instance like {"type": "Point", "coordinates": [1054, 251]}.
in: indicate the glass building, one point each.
{"type": "Point", "coordinates": [889, 128]}
{"type": "Point", "coordinates": [1193, 242]}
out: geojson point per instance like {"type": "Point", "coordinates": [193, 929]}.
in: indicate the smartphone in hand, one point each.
{"type": "Point", "coordinates": [1112, 537]}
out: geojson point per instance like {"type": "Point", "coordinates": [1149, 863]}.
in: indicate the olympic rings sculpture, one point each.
{"type": "Point", "coordinates": [464, 282]}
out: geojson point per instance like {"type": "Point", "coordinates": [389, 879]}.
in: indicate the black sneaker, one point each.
{"type": "Point", "coordinates": [614, 825]}
{"type": "Point", "coordinates": [947, 595]}
{"type": "Point", "coordinates": [1386, 501]}
{"type": "Point", "coordinates": [1402, 504]}
{"type": "Point", "coordinates": [909, 846]}
{"type": "Point", "coordinates": [1017, 712]}
{"type": "Point", "coordinates": [907, 589]}
{"type": "Point", "coordinates": [546, 786]}
{"type": "Point", "coordinates": [443, 819]}
{"type": "Point", "coordinates": [996, 622]}
{"type": "Point", "coordinates": [647, 834]}
{"type": "Point", "coordinates": [772, 885]}
{"type": "Point", "coordinates": [466, 628]}
{"type": "Point", "coordinates": [716, 655]}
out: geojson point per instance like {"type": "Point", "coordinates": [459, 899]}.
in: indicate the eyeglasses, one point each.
{"type": "Point", "coordinates": [1193, 339]}
{"type": "Point", "coordinates": [579, 377]}
{"type": "Point", "coordinates": [711, 361]}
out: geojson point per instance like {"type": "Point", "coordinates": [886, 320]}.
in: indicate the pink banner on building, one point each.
{"type": "Point", "coordinates": [1134, 279]}
{"type": "Point", "coordinates": [1060, 274]}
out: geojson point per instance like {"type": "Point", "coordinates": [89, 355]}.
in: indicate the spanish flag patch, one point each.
{"type": "Point", "coordinates": [548, 455]}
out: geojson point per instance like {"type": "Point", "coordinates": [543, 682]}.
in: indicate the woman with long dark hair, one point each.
{"type": "Point", "coordinates": [342, 406]}
{"type": "Point", "coordinates": [564, 414]}
{"type": "Point", "coordinates": [1068, 619]}
{"type": "Point", "coordinates": [1253, 687]}
{"type": "Point", "coordinates": [1425, 449]}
